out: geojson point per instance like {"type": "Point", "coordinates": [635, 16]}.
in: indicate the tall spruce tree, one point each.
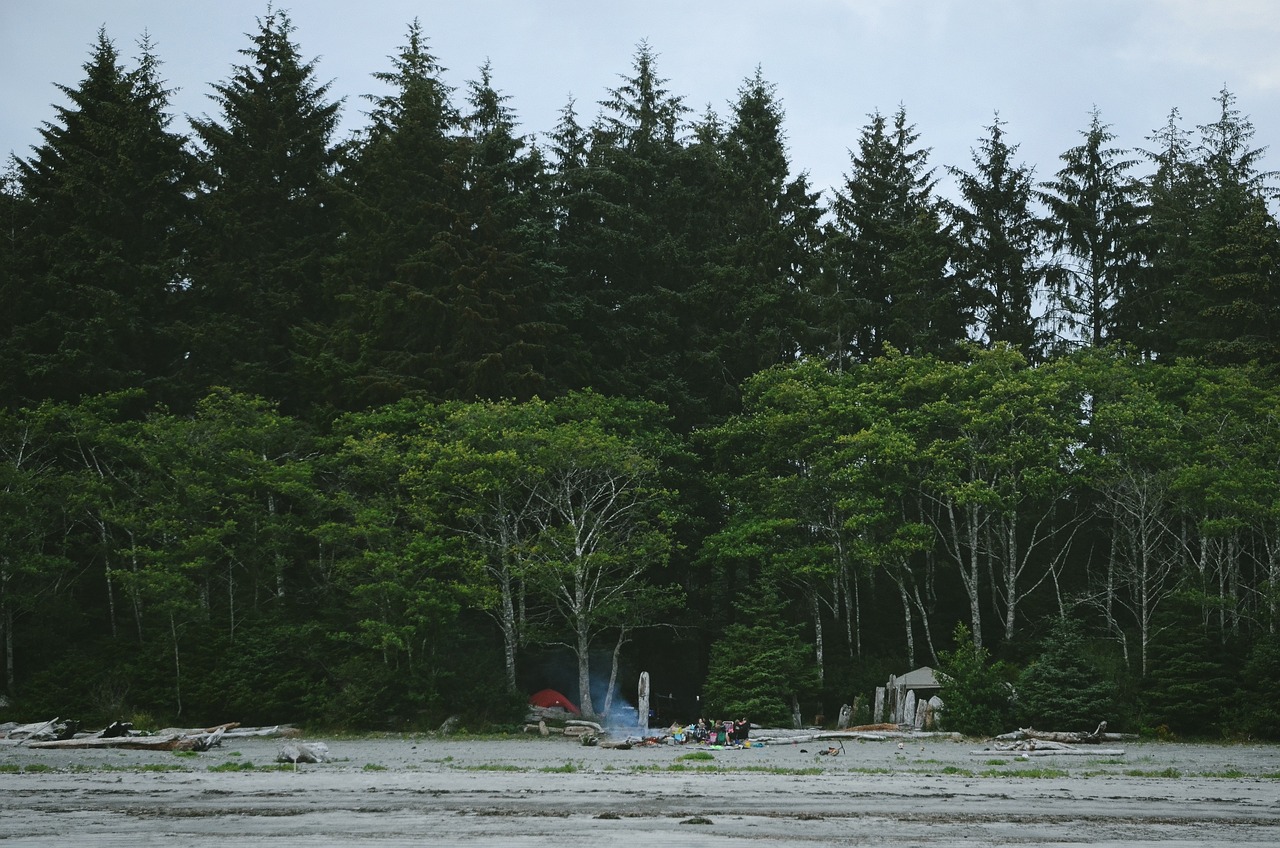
{"type": "Point", "coordinates": [399, 187]}
{"type": "Point", "coordinates": [1094, 216]}
{"type": "Point", "coordinates": [886, 253]}
{"type": "Point", "coordinates": [1149, 316]}
{"type": "Point", "coordinates": [1211, 286]}
{"type": "Point", "coordinates": [504, 322]}
{"type": "Point", "coordinates": [266, 220]}
{"type": "Point", "coordinates": [999, 251]}
{"type": "Point", "coordinates": [632, 243]}
{"type": "Point", "coordinates": [759, 241]}
{"type": "Point", "coordinates": [1236, 247]}
{"type": "Point", "coordinates": [92, 259]}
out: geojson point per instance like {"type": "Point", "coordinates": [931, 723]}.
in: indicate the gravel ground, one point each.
{"type": "Point", "coordinates": [531, 791]}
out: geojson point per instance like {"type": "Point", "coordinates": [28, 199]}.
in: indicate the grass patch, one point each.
{"type": "Point", "coordinates": [10, 768]}
{"type": "Point", "coordinates": [996, 763]}
{"type": "Point", "coordinates": [1169, 772]}
{"type": "Point", "coordinates": [697, 755]}
{"type": "Point", "coordinates": [963, 772]}
{"type": "Point", "coordinates": [245, 766]}
{"type": "Point", "coordinates": [490, 767]}
{"type": "Point", "coordinates": [568, 768]}
{"type": "Point", "coordinates": [374, 767]}
{"type": "Point", "coordinates": [162, 767]}
{"type": "Point", "coordinates": [37, 768]}
{"type": "Point", "coordinates": [1229, 773]}
{"type": "Point", "coordinates": [1030, 773]}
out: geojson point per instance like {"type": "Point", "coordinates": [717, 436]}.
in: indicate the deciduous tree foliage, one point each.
{"type": "Point", "coordinates": [288, 435]}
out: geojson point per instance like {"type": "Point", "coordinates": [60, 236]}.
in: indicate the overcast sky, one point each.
{"type": "Point", "coordinates": [1042, 64]}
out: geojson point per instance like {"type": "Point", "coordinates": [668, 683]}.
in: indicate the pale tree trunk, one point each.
{"type": "Point", "coordinates": [106, 567]}
{"type": "Point", "coordinates": [583, 647]}
{"type": "Point", "coordinates": [924, 623]}
{"type": "Point", "coordinates": [1273, 582]}
{"type": "Point", "coordinates": [962, 540]}
{"type": "Point", "coordinates": [177, 665]}
{"type": "Point", "coordinates": [819, 648]}
{"type": "Point", "coordinates": [853, 612]}
{"type": "Point", "coordinates": [613, 677]}
{"type": "Point", "coordinates": [510, 635]}
{"type": "Point", "coordinates": [906, 621]}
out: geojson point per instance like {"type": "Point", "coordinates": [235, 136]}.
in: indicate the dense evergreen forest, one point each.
{"type": "Point", "coordinates": [380, 430]}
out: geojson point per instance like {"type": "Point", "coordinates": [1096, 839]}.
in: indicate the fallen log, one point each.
{"type": "Point", "coordinates": [1066, 737]}
{"type": "Point", "coordinates": [24, 732]}
{"type": "Point", "coordinates": [129, 743]}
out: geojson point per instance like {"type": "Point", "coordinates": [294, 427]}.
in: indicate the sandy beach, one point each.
{"type": "Point", "coordinates": [534, 791]}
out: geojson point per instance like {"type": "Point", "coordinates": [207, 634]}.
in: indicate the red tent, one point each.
{"type": "Point", "coordinates": [552, 698]}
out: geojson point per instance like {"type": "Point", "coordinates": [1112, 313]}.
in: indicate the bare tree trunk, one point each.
{"type": "Point", "coordinates": [613, 676]}
{"type": "Point", "coordinates": [924, 622]}
{"type": "Point", "coordinates": [906, 620]}
{"type": "Point", "coordinates": [106, 567]}
{"type": "Point", "coordinates": [510, 631]}
{"type": "Point", "coordinates": [583, 649]}
{"type": "Point", "coordinates": [177, 665]}
{"type": "Point", "coordinates": [818, 645]}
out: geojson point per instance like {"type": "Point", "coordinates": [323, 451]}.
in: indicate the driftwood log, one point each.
{"type": "Point", "coordinates": [168, 742]}
{"type": "Point", "coordinates": [1066, 737]}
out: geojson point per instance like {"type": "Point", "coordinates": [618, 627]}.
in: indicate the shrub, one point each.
{"type": "Point", "coordinates": [976, 693]}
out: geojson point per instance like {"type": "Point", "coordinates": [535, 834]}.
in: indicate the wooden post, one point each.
{"type": "Point", "coordinates": [642, 707]}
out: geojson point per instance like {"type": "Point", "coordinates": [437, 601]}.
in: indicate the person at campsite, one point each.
{"type": "Point", "coordinates": [741, 730]}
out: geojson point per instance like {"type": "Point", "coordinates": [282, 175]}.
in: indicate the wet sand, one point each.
{"type": "Point", "coordinates": [530, 791]}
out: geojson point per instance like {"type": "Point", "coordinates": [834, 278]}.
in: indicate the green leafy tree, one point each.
{"type": "Point", "coordinates": [760, 667]}
{"type": "Point", "coordinates": [94, 261]}
{"type": "Point", "coordinates": [1061, 689]}
{"type": "Point", "coordinates": [1192, 682]}
{"type": "Point", "coordinates": [976, 695]}
{"type": "Point", "coordinates": [403, 586]}
{"type": "Point", "coordinates": [35, 566]}
{"type": "Point", "coordinates": [1260, 683]}
{"type": "Point", "coordinates": [786, 510]}
{"type": "Point", "coordinates": [559, 511]}
{"type": "Point", "coordinates": [266, 221]}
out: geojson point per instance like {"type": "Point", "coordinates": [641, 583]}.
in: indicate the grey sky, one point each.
{"type": "Point", "coordinates": [1042, 64]}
